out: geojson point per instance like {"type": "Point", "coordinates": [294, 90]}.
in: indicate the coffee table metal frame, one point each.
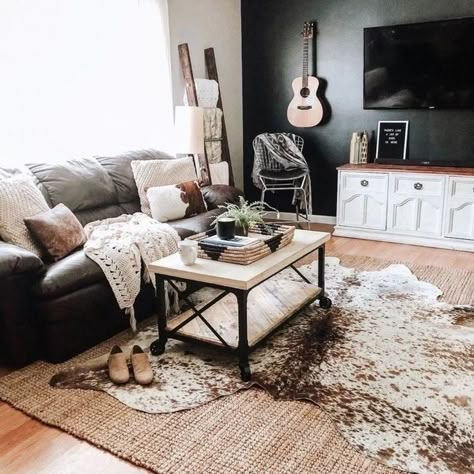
{"type": "Point", "coordinates": [243, 350]}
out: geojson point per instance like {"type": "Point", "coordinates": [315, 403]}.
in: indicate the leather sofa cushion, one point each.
{"type": "Point", "coordinates": [99, 213]}
{"type": "Point", "coordinates": [78, 184]}
{"type": "Point", "coordinates": [194, 225]}
{"type": "Point", "coordinates": [91, 215]}
{"type": "Point", "coordinates": [217, 194]}
{"type": "Point", "coordinates": [120, 170]}
{"type": "Point", "coordinates": [67, 275]}
{"type": "Point", "coordinates": [131, 207]}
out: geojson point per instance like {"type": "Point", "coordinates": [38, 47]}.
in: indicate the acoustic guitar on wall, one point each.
{"type": "Point", "coordinates": [305, 109]}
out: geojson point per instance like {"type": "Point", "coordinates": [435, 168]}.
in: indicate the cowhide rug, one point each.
{"type": "Point", "coordinates": [392, 366]}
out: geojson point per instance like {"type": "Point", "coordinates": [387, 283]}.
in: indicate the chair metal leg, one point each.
{"type": "Point", "coordinates": [264, 190]}
{"type": "Point", "coordinates": [306, 209]}
{"type": "Point", "coordinates": [299, 194]}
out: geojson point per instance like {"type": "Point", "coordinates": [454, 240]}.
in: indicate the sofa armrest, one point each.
{"type": "Point", "coordinates": [16, 261]}
{"type": "Point", "coordinates": [19, 337]}
{"type": "Point", "coordinates": [218, 194]}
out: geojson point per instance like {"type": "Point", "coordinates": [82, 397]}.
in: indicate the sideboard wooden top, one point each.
{"type": "Point", "coordinates": [374, 167]}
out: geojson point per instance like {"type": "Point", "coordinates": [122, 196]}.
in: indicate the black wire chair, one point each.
{"type": "Point", "coordinates": [274, 177]}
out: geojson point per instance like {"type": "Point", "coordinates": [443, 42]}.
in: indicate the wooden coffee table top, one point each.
{"type": "Point", "coordinates": [242, 277]}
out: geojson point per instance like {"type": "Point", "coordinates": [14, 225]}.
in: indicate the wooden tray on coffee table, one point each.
{"type": "Point", "coordinates": [271, 237]}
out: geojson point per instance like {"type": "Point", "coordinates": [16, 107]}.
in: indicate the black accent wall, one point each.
{"type": "Point", "coordinates": [272, 58]}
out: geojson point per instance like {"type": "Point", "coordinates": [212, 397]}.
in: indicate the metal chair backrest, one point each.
{"type": "Point", "coordinates": [261, 150]}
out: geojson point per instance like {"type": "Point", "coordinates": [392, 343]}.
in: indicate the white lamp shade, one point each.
{"type": "Point", "coordinates": [189, 130]}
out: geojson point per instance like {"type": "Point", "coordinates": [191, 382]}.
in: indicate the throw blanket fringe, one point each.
{"type": "Point", "coordinates": [130, 312]}
{"type": "Point", "coordinates": [120, 245]}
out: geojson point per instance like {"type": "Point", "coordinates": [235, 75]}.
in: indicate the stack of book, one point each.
{"type": "Point", "coordinates": [237, 241]}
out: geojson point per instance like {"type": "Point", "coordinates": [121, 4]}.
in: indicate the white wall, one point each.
{"type": "Point", "coordinates": [204, 24]}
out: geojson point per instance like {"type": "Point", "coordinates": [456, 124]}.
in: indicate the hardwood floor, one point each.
{"type": "Point", "coordinates": [27, 446]}
{"type": "Point", "coordinates": [405, 253]}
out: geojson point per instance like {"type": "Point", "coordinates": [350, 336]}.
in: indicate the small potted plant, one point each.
{"type": "Point", "coordinates": [245, 214]}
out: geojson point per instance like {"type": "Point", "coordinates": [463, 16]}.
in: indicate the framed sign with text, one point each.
{"type": "Point", "coordinates": [392, 139]}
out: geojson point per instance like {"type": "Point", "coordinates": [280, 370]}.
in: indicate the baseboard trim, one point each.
{"type": "Point", "coordinates": [317, 219]}
{"type": "Point", "coordinates": [442, 243]}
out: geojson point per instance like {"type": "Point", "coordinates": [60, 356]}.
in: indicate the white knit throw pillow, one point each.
{"type": "Point", "coordinates": [19, 199]}
{"type": "Point", "coordinates": [151, 173]}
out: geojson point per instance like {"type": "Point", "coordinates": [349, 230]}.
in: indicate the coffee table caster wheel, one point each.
{"type": "Point", "coordinates": [325, 303]}
{"type": "Point", "coordinates": [245, 373]}
{"type": "Point", "coordinates": [157, 347]}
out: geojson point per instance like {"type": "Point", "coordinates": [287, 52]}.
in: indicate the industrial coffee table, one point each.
{"type": "Point", "coordinates": [253, 303]}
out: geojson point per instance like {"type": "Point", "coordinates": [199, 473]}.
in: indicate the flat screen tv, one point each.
{"type": "Point", "coordinates": [420, 66]}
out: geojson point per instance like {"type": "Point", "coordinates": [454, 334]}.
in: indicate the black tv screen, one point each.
{"type": "Point", "coordinates": [420, 66]}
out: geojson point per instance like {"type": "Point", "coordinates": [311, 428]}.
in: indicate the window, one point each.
{"type": "Point", "coordinates": [83, 77]}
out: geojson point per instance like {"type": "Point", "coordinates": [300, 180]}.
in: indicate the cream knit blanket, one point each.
{"type": "Point", "coordinates": [119, 245]}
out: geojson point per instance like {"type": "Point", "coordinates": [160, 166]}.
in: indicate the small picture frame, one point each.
{"type": "Point", "coordinates": [392, 140]}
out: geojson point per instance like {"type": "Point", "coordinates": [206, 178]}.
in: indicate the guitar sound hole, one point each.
{"type": "Point", "coordinates": [305, 92]}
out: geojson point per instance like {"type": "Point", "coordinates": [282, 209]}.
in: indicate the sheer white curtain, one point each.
{"type": "Point", "coordinates": [83, 77]}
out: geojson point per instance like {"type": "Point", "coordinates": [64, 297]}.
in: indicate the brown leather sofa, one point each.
{"type": "Point", "coordinates": [56, 310]}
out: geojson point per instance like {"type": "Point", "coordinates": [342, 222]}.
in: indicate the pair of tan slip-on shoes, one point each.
{"type": "Point", "coordinates": [119, 372]}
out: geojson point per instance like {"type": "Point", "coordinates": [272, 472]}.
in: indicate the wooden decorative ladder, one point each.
{"type": "Point", "coordinates": [191, 94]}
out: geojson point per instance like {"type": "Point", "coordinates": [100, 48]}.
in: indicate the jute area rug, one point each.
{"type": "Point", "coordinates": [250, 431]}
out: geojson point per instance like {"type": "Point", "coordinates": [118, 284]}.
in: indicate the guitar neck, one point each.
{"type": "Point", "coordinates": [305, 61]}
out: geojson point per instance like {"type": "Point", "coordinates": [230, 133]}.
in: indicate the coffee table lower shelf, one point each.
{"type": "Point", "coordinates": [268, 307]}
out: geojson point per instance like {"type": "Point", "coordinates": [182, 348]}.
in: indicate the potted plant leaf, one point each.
{"type": "Point", "coordinates": [245, 214]}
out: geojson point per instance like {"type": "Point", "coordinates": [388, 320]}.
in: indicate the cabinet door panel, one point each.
{"type": "Point", "coordinates": [362, 210]}
{"type": "Point", "coordinates": [430, 216]}
{"type": "Point", "coordinates": [352, 208]}
{"type": "Point", "coordinates": [419, 215]}
{"type": "Point", "coordinates": [376, 212]}
{"type": "Point", "coordinates": [363, 200]}
{"type": "Point", "coordinates": [460, 209]}
{"type": "Point", "coordinates": [403, 214]}
{"type": "Point", "coordinates": [416, 204]}
{"type": "Point", "coordinates": [460, 221]}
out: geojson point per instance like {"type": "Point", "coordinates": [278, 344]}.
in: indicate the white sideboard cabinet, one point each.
{"type": "Point", "coordinates": [429, 206]}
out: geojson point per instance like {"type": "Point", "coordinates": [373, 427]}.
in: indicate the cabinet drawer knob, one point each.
{"type": "Point", "coordinates": [364, 183]}
{"type": "Point", "coordinates": [418, 186]}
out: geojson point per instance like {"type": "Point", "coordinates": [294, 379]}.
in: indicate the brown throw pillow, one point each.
{"type": "Point", "coordinates": [57, 230]}
{"type": "Point", "coordinates": [168, 203]}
